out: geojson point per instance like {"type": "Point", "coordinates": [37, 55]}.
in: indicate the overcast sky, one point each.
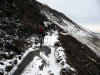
{"type": "Point", "coordinates": [83, 12]}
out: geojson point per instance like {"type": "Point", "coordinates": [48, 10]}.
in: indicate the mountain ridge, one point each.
{"type": "Point", "coordinates": [74, 29]}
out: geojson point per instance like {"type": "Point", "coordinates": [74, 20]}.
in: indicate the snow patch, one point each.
{"type": "Point", "coordinates": [46, 65]}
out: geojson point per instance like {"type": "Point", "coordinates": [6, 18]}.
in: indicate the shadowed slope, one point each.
{"type": "Point", "coordinates": [80, 56]}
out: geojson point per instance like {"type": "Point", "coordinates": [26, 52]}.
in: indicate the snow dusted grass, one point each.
{"type": "Point", "coordinates": [46, 65]}
{"type": "Point", "coordinates": [24, 55]}
{"type": "Point", "coordinates": [7, 62]}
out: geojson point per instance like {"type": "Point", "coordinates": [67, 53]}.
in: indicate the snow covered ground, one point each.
{"type": "Point", "coordinates": [46, 65]}
{"type": "Point", "coordinates": [7, 63]}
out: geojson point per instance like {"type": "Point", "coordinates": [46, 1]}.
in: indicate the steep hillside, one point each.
{"type": "Point", "coordinates": [68, 48]}
{"type": "Point", "coordinates": [80, 56]}
{"type": "Point", "coordinates": [68, 26]}
{"type": "Point", "coordinates": [19, 20]}
{"type": "Point", "coordinates": [82, 47]}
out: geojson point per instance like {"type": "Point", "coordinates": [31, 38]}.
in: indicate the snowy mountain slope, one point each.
{"type": "Point", "coordinates": [49, 60]}
{"type": "Point", "coordinates": [68, 26]}
{"type": "Point", "coordinates": [80, 56]}
{"type": "Point", "coordinates": [47, 64]}
{"type": "Point", "coordinates": [17, 21]}
{"type": "Point", "coordinates": [81, 46]}
{"type": "Point", "coordinates": [67, 47]}
{"type": "Point", "coordinates": [97, 35]}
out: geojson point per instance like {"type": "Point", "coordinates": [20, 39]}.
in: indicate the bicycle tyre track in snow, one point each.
{"type": "Point", "coordinates": [25, 62]}
{"type": "Point", "coordinates": [29, 57]}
